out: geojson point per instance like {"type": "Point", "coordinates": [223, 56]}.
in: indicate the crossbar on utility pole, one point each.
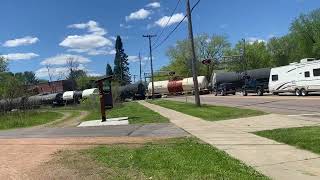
{"type": "Point", "coordinates": [193, 60]}
{"type": "Point", "coordinates": [152, 83]}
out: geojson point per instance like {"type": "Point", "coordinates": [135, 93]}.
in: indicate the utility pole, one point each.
{"type": "Point", "coordinates": [140, 66]}
{"type": "Point", "coordinates": [152, 83]}
{"type": "Point", "coordinates": [193, 60]}
{"type": "Point", "coordinates": [244, 56]}
{"type": "Point", "coordinates": [134, 78]}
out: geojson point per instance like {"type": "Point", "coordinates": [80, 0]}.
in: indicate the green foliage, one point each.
{"type": "Point", "coordinates": [85, 82]}
{"type": "Point", "coordinates": [207, 47]}
{"type": "Point", "coordinates": [27, 118]}
{"type": "Point", "coordinates": [207, 112]}
{"type": "Point", "coordinates": [137, 113]}
{"type": "Point", "coordinates": [304, 137]}
{"type": "Point", "coordinates": [302, 41]}
{"type": "Point", "coordinates": [306, 30]}
{"type": "Point", "coordinates": [121, 64]}
{"type": "Point", "coordinates": [75, 74]}
{"type": "Point", "coordinates": [10, 86]}
{"type": "Point", "coordinates": [109, 71]}
{"type": "Point", "coordinates": [3, 64]}
{"type": "Point", "coordinates": [180, 158]}
{"type": "Point", "coordinates": [27, 77]}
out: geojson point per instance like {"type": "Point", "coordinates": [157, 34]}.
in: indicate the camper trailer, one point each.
{"type": "Point", "coordinates": [299, 78]}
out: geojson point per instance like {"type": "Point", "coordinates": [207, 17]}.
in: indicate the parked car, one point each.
{"type": "Point", "coordinates": [225, 89]}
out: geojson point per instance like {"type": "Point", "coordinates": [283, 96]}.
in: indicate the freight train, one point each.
{"type": "Point", "coordinates": [177, 87]}
{"type": "Point", "coordinates": [53, 99]}
{"type": "Point", "coordinates": [251, 81]}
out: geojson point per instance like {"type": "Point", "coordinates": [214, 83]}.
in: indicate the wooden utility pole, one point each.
{"type": "Point", "coordinates": [150, 49]}
{"type": "Point", "coordinates": [134, 78]}
{"type": "Point", "coordinates": [140, 66]}
{"type": "Point", "coordinates": [244, 56]}
{"type": "Point", "coordinates": [193, 60]}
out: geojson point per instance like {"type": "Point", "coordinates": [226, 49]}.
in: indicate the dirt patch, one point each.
{"type": "Point", "coordinates": [26, 158]}
{"type": "Point", "coordinates": [72, 122]}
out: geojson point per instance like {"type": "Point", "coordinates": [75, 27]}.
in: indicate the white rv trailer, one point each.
{"type": "Point", "coordinates": [299, 78]}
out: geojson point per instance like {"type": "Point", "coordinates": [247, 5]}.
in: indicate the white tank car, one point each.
{"type": "Point", "coordinates": [187, 84]}
{"type": "Point", "coordinates": [90, 92]}
{"type": "Point", "coordinates": [160, 87]}
{"type": "Point", "coordinates": [68, 95]}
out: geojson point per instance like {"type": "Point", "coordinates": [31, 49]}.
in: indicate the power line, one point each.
{"type": "Point", "coordinates": [175, 27]}
{"type": "Point", "coordinates": [159, 36]}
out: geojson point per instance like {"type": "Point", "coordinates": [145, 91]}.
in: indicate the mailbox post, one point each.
{"type": "Point", "coordinates": [106, 102]}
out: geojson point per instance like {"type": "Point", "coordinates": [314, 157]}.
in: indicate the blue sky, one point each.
{"type": "Point", "coordinates": [37, 33]}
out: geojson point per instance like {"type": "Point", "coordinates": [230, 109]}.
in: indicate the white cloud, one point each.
{"type": "Point", "coordinates": [134, 59]}
{"type": "Point", "coordinates": [94, 52]}
{"type": "Point", "coordinates": [63, 58]}
{"type": "Point", "coordinates": [92, 43]}
{"type": "Point", "coordinates": [125, 26]}
{"type": "Point", "coordinates": [87, 41]}
{"type": "Point", "coordinates": [113, 38]}
{"type": "Point", "coordinates": [251, 40]}
{"type": "Point", "coordinates": [101, 52]}
{"type": "Point", "coordinates": [91, 26]}
{"type": "Point", "coordinates": [20, 56]}
{"type": "Point", "coordinates": [21, 41]}
{"type": "Point", "coordinates": [153, 5]}
{"type": "Point", "coordinates": [54, 71]}
{"type": "Point", "coordinates": [140, 14]}
{"type": "Point", "coordinates": [162, 22]}
{"type": "Point", "coordinates": [92, 74]}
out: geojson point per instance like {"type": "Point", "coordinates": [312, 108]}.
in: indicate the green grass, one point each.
{"type": "Point", "coordinates": [182, 158]}
{"type": "Point", "coordinates": [304, 137]}
{"type": "Point", "coordinates": [208, 112]}
{"type": "Point", "coordinates": [27, 118]}
{"type": "Point", "coordinates": [137, 113]}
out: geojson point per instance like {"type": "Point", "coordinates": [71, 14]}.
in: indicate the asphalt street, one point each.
{"type": "Point", "coordinates": [285, 104]}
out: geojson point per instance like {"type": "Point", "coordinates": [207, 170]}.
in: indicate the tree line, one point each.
{"type": "Point", "coordinates": [302, 41]}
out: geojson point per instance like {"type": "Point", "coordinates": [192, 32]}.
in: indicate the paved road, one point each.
{"type": "Point", "coordinates": [275, 104]}
{"type": "Point", "coordinates": [148, 130]}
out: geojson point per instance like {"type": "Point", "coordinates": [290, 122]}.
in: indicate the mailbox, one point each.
{"type": "Point", "coordinates": [106, 101]}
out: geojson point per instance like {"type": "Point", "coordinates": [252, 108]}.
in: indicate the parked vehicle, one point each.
{"type": "Point", "coordinates": [256, 81]}
{"type": "Point", "coordinates": [225, 89]}
{"type": "Point", "coordinates": [299, 78]}
{"type": "Point", "coordinates": [251, 81]}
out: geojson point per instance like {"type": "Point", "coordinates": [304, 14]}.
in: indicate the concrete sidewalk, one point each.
{"type": "Point", "coordinates": [274, 159]}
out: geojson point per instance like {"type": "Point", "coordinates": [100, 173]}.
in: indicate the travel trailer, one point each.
{"type": "Point", "coordinates": [299, 78]}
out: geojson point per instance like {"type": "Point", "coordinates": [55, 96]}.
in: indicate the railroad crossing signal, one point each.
{"type": "Point", "coordinates": [206, 61]}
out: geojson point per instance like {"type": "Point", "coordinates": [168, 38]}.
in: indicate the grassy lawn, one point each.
{"type": "Point", "coordinates": [207, 112]}
{"type": "Point", "coordinates": [27, 118]}
{"type": "Point", "coordinates": [304, 137]}
{"type": "Point", "coordinates": [182, 158]}
{"type": "Point", "coordinates": [137, 113]}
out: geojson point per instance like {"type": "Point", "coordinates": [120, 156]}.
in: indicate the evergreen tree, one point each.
{"type": "Point", "coordinates": [3, 64]}
{"type": "Point", "coordinates": [109, 71]}
{"type": "Point", "coordinates": [121, 64]}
